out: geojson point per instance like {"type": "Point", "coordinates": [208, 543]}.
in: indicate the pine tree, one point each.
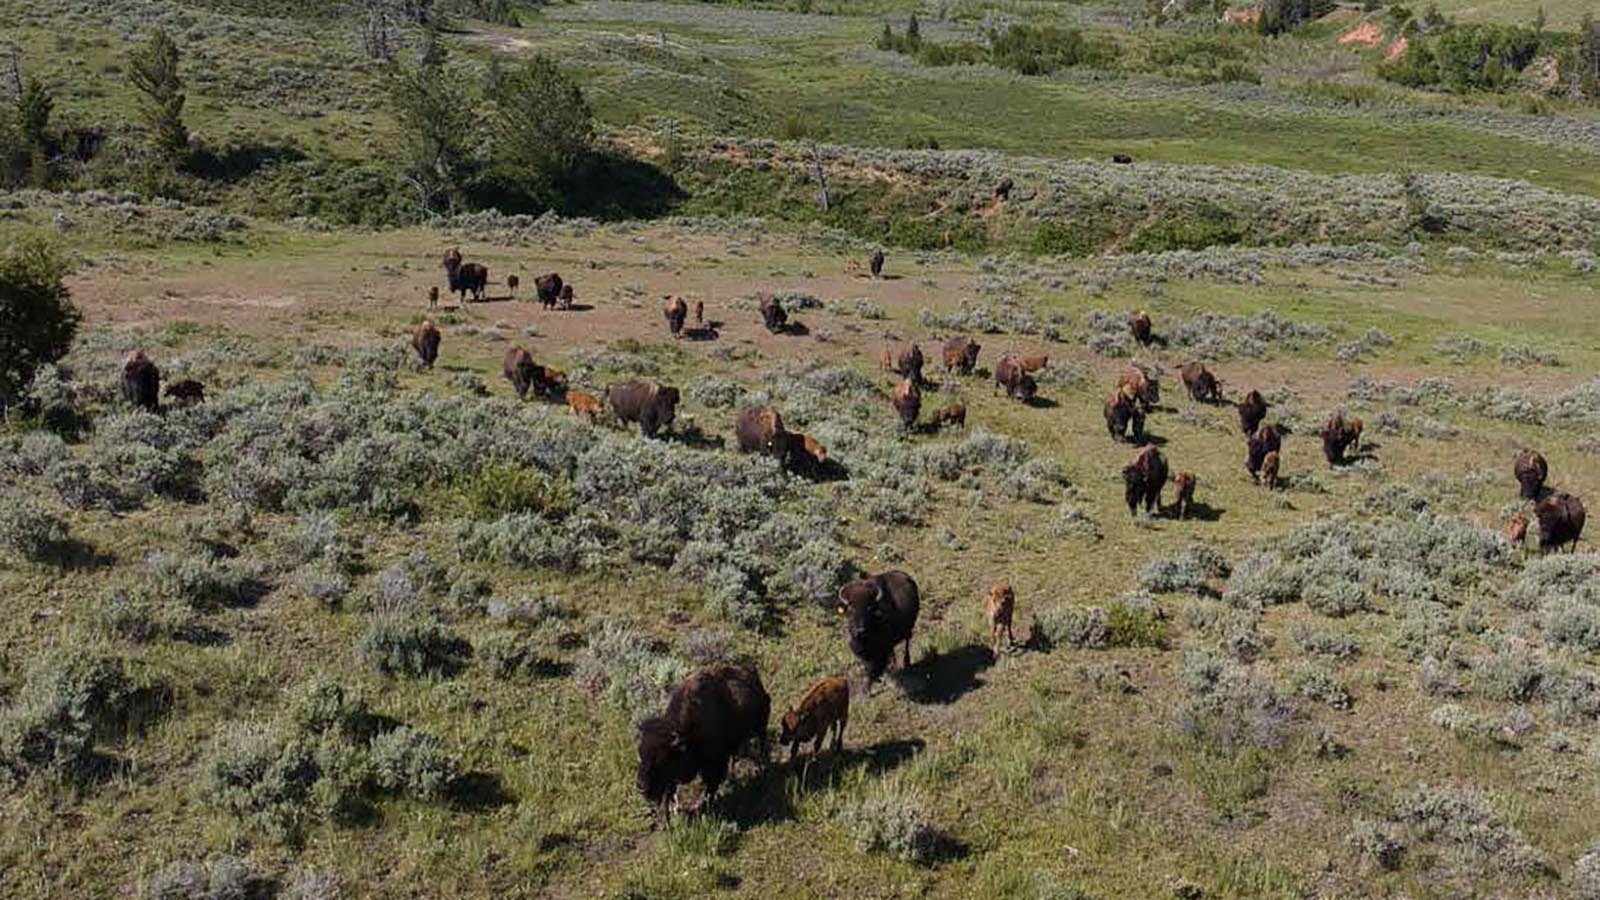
{"type": "Point", "coordinates": [153, 70]}
{"type": "Point", "coordinates": [1589, 57]}
{"type": "Point", "coordinates": [33, 119]}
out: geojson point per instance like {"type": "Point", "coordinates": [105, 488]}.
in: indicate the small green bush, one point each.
{"type": "Point", "coordinates": [410, 645]}
{"type": "Point", "coordinates": [892, 821]}
{"type": "Point", "coordinates": [505, 490]}
{"type": "Point", "coordinates": [28, 531]}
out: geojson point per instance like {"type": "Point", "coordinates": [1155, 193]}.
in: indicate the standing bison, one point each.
{"type": "Point", "coordinates": [1268, 476]}
{"type": "Point", "coordinates": [712, 714]}
{"type": "Point", "coordinates": [186, 392]}
{"type": "Point", "coordinates": [1143, 479]}
{"type": "Point", "coordinates": [875, 264]}
{"type": "Point", "coordinates": [1560, 518]}
{"type": "Point", "coordinates": [799, 453]}
{"type": "Point", "coordinates": [953, 414]}
{"type": "Point", "coordinates": [1265, 440]}
{"type": "Point", "coordinates": [1140, 386]}
{"type": "Point", "coordinates": [772, 314]}
{"type": "Point", "coordinates": [907, 400]}
{"type": "Point", "coordinates": [675, 311]}
{"type": "Point", "coordinates": [903, 361]}
{"type": "Point", "coordinates": [1018, 384]}
{"type": "Point", "coordinates": [1140, 325]}
{"type": "Point", "coordinates": [757, 428]}
{"type": "Point", "coordinates": [880, 612]}
{"type": "Point", "coordinates": [141, 381]}
{"type": "Point", "coordinates": [519, 368]}
{"type": "Point", "coordinates": [960, 355]}
{"type": "Point", "coordinates": [1531, 471]}
{"type": "Point", "coordinates": [1184, 482]}
{"type": "Point", "coordinates": [1124, 420]}
{"type": "Point", "coordinates": [425, 340]}
{"type": "Point", "coordinates": [549, 288]}
{"type": "Point", "coordinates": [999, 608]}
{"type": "Point", "coordinates": [651, 405]}
{"type": "Point", "coordinates": [1002, 191]}
{"type": "Point", "coordinates": [1252, 409]}
{"type": "Point", "coordinates": [1340, 433]}
{"type": "Point", "coordinates": [823, 710]}
{"type": "Point", "coordinates": [465, 277]}
{"type": "Point", "coordinates": [1203, 386]}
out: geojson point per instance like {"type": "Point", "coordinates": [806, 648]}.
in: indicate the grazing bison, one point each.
{"type": "Point", "coordinates": [1121, 159]}
{"type": "Point", "coordinates": [1018, 384]}
{"type": "Point", "coordinates": [652, 405]}
{"type": "Point", "coordinates": [772, 314]}
{"type": "Point", "coordinates": [999, 607]}
{"type": "Point", "coordinates": [1122, 414]}
{"type": "Point", "coordinates": [954, 413]}
{"type": "Point", "coordinates": [512, 283]}
{"type": "Point", "coordinates": [881, 611]}
{"type": "Point", "coordinates": [1339, 434]}
{"type": "Point", "coordinates": [1141, 387]}
{"type": "Point", "coordinates": [1531, 471]}
{"type": "Point", "coordinates": [1252, 409]}
{"type": "Point", "coordinates": [1560, 518]}
{"type": "Point", "coordinates": [960, 355]}
{"type": "Point", "coordinates": [799, 452]}
{"type": "Point", "coordinates": [708, 718]}
{"type": "Point", "coordinates": [907, 400]}
{"type": "Point", "coordinates": [1516, 530]}
{"type": "Point", "coordinates": [584, 405]}
{"type": "Point", "coordinates": [549, 288]}
{"type": "Point", "coordinates": [566, 296]}
{"type": "Point", "coordinates": [756, 428]}
{"type": "Point", "coordinates": [699, 312]}
{"type": "Point", "coordinates": [676, 311]}
{"type": "Point", "coordinates": [425, 340]}
{"type": "Point", "coordinates": [875, 264]}
{"type": "Point", "coordinates": [1140, 325]}
{"type": "Point", "coordinates": [1268, 476]}
{"type": "Point", "coordinates": [1143, 479]}
{"type": "Point", "coordinates": [141, 381]}
{"type": "Point", "coordinates": [519, 368]}
{"type": "Point", "coordinates": [186, 392]}
{"type": "Point", "coordinates": [465, 277]}
{"type": "Point", "coordinates": [1003, 189]}
{"type": "Point", "coordinates": [1184, 483]}
{"type": "Point", "coordinates": [1203, 386]}
{"type": "Point", "coordinates": [549, 382]}
{"type": "Point", "coordinates": [1265, 440]}
{"type": "Point", "coordinates": [825, 708]}
{"type": "Point", "coordinates": [903, 361]}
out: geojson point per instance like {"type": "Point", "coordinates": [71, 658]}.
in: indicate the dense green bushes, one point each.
{"type": "Point", "coordinates": [1476, 57]}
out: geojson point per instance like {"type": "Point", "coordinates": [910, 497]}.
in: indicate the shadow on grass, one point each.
{"type": "Point", "coordinates": [942, 678]}
{"type": "Point", "coordinates": [1198, 512]}
{"type": "Point", "coordinates": [766, 799]}
{"type": "Point", "coordinates": [479, 792]}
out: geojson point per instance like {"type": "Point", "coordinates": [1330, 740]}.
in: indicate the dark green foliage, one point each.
{"type": "Point", "coordinates": [70, 701]}
{"type": "Point", "coordinates": [153, 71]}
{"type": "Point", "coordinates": [541, 129]}
{"type": "Point", "coordinates": [501, 490]}
{"type": "Point", "coordinates": [1194, 226]}
{"type": "Point", "coordinates": [1278, 16]}
{"type": "Point", "coordinates": [438, 134]}
{"type": "Point", "coordinates": [1042, 49]}
{"type": "Point", "coordinates": [37, 318]}
{"type": "Point", "coordinates": [405, 645]}
{"type": "Point", "coordinates": [1476, 57]}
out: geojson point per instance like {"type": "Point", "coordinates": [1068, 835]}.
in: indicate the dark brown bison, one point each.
{"type": "Point", "coordinates": [903, 361]}
{"type": "Point", "coordinates": [755, 429]}
{"type": "Point", "coordinates": [1252, 409]}
{"type": "Point", "coordinates": [880, 612]}
{"type": "Point", "coordinates": [1268, 476]}
{"type": "Point", "coordinates": [699, 312]}
{"type": "Point", "coordinates": [1140, 325]}
{"type": "Point", "coordinates": [425, 340]}
{"type": "Point", "coordinates": [1184, 482]}
{"type": "Point", "coordinates": [676, 311]}
{"type": "Point", "coordinates": [1124, 421]}
{"type": "Point", "coordinates": [141, 381]}
{"type": "Point", "coordinates": [709, 717]}
{"type": "Point", "coordinates": [1003, 189]}
{"type": "Point", "coordinates": [1560, 518]}
{"type": "Point", "coordinates": [960, 355]}
{"type": "Point", "coordinates": [519, 368]}
{"type": "Point", "coordinates": [1265, 440]}
{"type": "Point", "coordinates": [954, 414]}
{"type": "Point", "coordinates": [772, 314]}
{"type": "Point", "coordinates": [566, 296]}
{"type": "Point", "coordinates": [465, 277]}
{"type": "Point", "coordinates": [1143, 479]}
{"type": "Point", "coordinates": [1203, 386]}
{"type": "Point", "coordinates": [652, 405]}
{"type": "Point", "coordinates": [875, 264]}
{"type": "Point", "coordinates": [999, 608]}
{"type": "Point", "coordinates": [549, 382]}
{"type": "Point", "coordinates": [186, 392]}
{"type": "Point", "coordinates": [907, 400]}
{"type": "Point", "coordinates": [433, 297]}
{"type": "Point", "coordinates": [549, 288]}
{"type": "Point", "coordinates": [1018, 384]}
{"type": "Point", "coordinates": [1531, 471]}
{"type": "Point", "coordinates": [512, 283]}
{"type": "Point", "coordinates": [1141, 387]}
{"type": "Point", "coordinates": [1340, 433]}
{"type": "Point", "coordinates": [799, 453]}
{"type": "Point", "coordinates": [1121, 159]}
{"type": "Point", "coordinates": [824, 709]}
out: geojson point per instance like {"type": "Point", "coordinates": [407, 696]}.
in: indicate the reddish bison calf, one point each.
{"type": "Point", "coordinates": [999, 608]}
{"type": "Point", "coordinates": [584, 405]}
{"type": "Point", "coordinates": [1184, 482]}
{"type": "Point", "coordinates": [953, 414]}
{"type": "Point", "coordinates": [824, 709]}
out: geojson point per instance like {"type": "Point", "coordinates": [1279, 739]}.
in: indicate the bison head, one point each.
{"type": "Point", "coordinates": [663, 760]}
{"type": "Point", "coordinates": [789, 726]}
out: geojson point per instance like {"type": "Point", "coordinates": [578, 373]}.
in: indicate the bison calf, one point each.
{"type": "Point", "coordinates": [1269, 471]}
{"type": "Point", "coordinates": [187, 391]}
{"type": "Point", "coordinates": [999, 608]}
{"type": "Point", "coordinates": [825, 708]}
{"type": "Point", "coordinates": [953, 414]}
{"type": "Point", "coordinates": [584, 405]}
{"type": "Point", "coordinates": [1184, 483]}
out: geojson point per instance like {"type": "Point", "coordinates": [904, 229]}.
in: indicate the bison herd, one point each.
{"type": "Point", "coordinates": [466, 279]}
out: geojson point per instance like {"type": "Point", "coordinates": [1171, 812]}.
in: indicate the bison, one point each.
{"type": "Point", "coordinates": [903, 361]}
{"type": "Point", "coordinates": [1257, 446]}
{"type": "Point", "coordinates": [566, 296]}
{"type": "Point", "coordinates": [880, 612]}
{"type": "Point", "coordinates": [1138, 385]}
{"type": "Point", "coordinates": [824, 709]}
{"type": "Point", "coordinates": [519, 368]}
{"type": "Point", "coordinates": [1339, 434]}
{"type": "Point", "coordinates": [799, 453]}
{"type": "Point", "coordinates": [433, 297]}
{"type": "Point", "coordinates": [1252, 409]}
{"type": "Point", "coordinates": [709, 717]}
{"type": "Point", "coordinates": [141, 381]}
{"type": "Point", "coordinates": [1184, 482]}
{"type": "Point", "coordinates": [676, 311]}
{"type": "Point", "coordinates": [960, 355]}
{"type": "Point", "coordinates": [907, 400]}
{"type": "Point", "coordinates": [512, 283]}
{"type": "Point", "coordinates": [1124, 421]}
{"type": "Point", "coordinates": [549, 288]}
{"type": "Point", "coordinates": [1002, 191]}
{"type": "Point", "coordinates": [999, 607]}
{"type": "Point", "coordinates": [1516, 530]}
{"type": "Point", "coordinates": [1268, 476]}
{"type": "Point", "coordinates": [1531, 471]}
{"type": "Point", "coordinates": [1033, 362]}
{"type": "Point", "coordinates": [772, 314]}
{"type": "Point", "coordinates": [699, 312]}
{"type": "Point", "coordinates": [1560, 518]}
{"type": "Point", "coordinates": [1203, 386]}
{"type": "Point", "coordinates": [1143, 479]}
{"type": "Point", "coordinates": [1018, 384]}
{"type": "Point", "coordinates": [756, 429]}
{"type": "Point", "coordinates": [425, 340]}
{"type": "Point", "coordinates": [651, 405]}
{"type": "Point", "coordinates": [954, 414]}
{"type": "Point", "coordinates": [187, 391]}
{"type": "Point", "coordinates": [465, 277]}
{"type": "Point", "coordinates": [1121, 159]}
{"type": "Point", "coordinates": [875, 264]}
{"type": "Point", "coordinates": [1140, 325]}
{"type": "Point", "coordinates": [584, 405]}
{"type": "Point", "coordinates": [549, 382]}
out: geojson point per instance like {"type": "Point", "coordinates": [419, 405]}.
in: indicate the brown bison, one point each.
{"type": "Point", "coordinates": [566, 296]}
{"type": "Point", "coordinates": [1143, 479]}
{"type": "Point", "coordinates": [549, 288]}
{"type": "Point", "coordinates": [999, 607]}
{"type": "Point", "coordinates": [903, 361]}
{"type": "Point", "coordinates": [465, 277]}
{"type": "Point", "coordinates": [1003, 189]}
{"type": "Point", "coordinates": [709, 717]}
{"type": "Point", "coordinates": [907, 400]}
{"type": "Point", "coordinates": [799, 453]}
{"type": "Point", "coordinates": [699, 312]}
{"type": "Point", "coordinates": [425, 340]}
{"type": "Point", "coordinates": [1140, 325]}
{"type": "Point", "coordinates": [1252, 409]}
{"type": "Point", "coordinates": [772, 314]}
{"type": "Point", "coordinates": [520, 369]}
{"type": "Point", "coordinates": [652, 405]}
{"type": "Point", "coordinates": [1121, 159]}
{"type": "Point", "coordinates": [1141, 387]}
{"type": "Point", "coordinates": [880, 612]}
{"type": "Point", "coordinates": [186, 392]}
{"type": "Point", "coordinates": [875, 264]}
{"type": "Point", "coordinates": [676, 312]}
{"type": "Point", "coordinates": [141, 381]}
{"type": "Point", "coordinates": [756, 428]}
{"type": "Point", "coordinates": [954, 414]}
{"type": "Point", "coordinates": [1203, 386]}
{"type": "Point", "coordinates": [549, 382]}
{"type": "Point", "coordinates": [1124, 420]}
{"type": "Point", "coordinates": [1560, 518]}
{"type": "Point", "coordinates": [512, 283]}
{"type": "Point", "coordinates": [1257, 446]}
{"type": "Point", "coordinates": [1184, 482]}
{"type": "Point", "coordinates": [1018, 384]}
{"type": "Point", "coordinates": [433, 297]}
{"type": "Point", "coordinates": [824, 709]}
{"type": "Point", "coordinates": [1340, 433]}
{"type": "Point", "coordinates": [1531, 471]}
{"type": "Point", "coordinates": [1516, 530]}
{"type": "Point", "coordinates": [1268, 476]}
{"type": "Point", "coordinates": [1033, 362]}
{"type": "Point", "coordinates": [584, 405]}
{"type": "Point", "coordinates": [960, 355]}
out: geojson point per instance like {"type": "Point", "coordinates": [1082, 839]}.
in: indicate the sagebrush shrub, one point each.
{"type": "Point", "coordinates": [891, 820]}
{"type": "Point", "coordinates": [204, 584]}
{"type": "Point", "coordinates": [70, 700]}
{"type": "Point", "coordinates": [626, 669]}
{"type": "Point", "coordinates": [1070, 626]}
{"type": "Point", "coordinates": [1462, 818]}
{"type": "Point", "coordinates": [1586, 874]}
{"type": "Point", "coordinates": [413, 763]}
{"type": "Point", "coordinates": [412, 645]}
{"type": "Point", "coordinates": [1229, 708]}
{"type": "Point", "coordinates": [28, 531]}
{"type": "Point", "coordinates": [220, 877]}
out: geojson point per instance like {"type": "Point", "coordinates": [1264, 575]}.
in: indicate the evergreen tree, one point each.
{"type": "Point", "coordinates": [153, 70]}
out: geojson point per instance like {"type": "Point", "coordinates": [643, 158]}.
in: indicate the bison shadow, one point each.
{"type": "Point", "coordinates": [577, 307]}
{"type": "Point", "coordinates": [702, 333]}
{"type": "Point", "coordinates": [764, 798]}
{"type": "Point", "coordinates": [827, 470]}
{"type": "Point", "coordinates": [1198, 512]}
{"type": "Point", "coordinates": [74, 555]}
{"type": "Point", "coordinates": [943, 678]}
{"type": "Point", "coordinates": [1041, 403]}
{"type": "Point", "coordinates": [479, 792]}
{"type": "Point", "coordinates": [236, 162]}
{"type": "Point", "coordinates": [693, 436]}
{"type": "Point", "coordinates": [791, 329]}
